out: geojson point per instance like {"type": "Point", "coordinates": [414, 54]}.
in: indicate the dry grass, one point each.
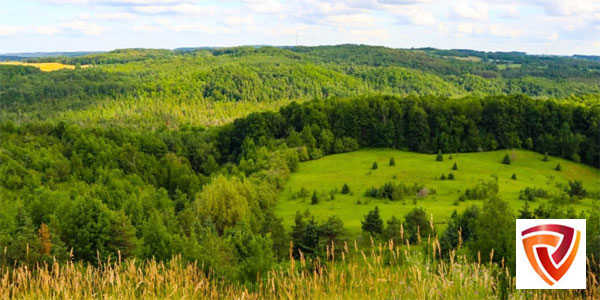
{"type": "Point", "coordinates": [384, 271]}
{"type": "Point", "coordinates": [46, 67]}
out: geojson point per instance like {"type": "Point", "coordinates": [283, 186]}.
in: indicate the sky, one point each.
{"type": "Point", "coordinates": [563, 27]}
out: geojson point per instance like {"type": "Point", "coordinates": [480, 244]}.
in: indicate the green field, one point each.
{"type": "Point", "coordinates": [331, 172]}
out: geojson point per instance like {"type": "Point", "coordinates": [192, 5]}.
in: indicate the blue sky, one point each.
{"type": "Point", "coordinates": [535, 26]}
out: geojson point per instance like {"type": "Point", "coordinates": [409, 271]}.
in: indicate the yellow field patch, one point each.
{"type": "Point", "coordinates": [46, 67]}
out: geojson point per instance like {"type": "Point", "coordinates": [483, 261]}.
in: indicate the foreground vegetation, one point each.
{"type": "Point", "coordinates": [383, 271]}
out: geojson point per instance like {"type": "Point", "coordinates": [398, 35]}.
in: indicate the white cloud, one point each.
{"type": "Point", "coordinates": [82, 27]}
{"type": "Point", "coordinates": [10, 30]}
{"type": "Point", "coordinates": [108, 16]}
{"type": "Point", "coordinates": [470, 11]}
{"type": "Point", "coordinates": [505, 31]}
{"type": "Point", "coordinates": [569, 7]}
{"type": "Point", "coordinates": [553, 37]}
{"type": "Point", "coordinates": [146, 28]}
{"type": "Point", "coordinates": [265, 6]}
{"type": "Point", "coordinates": [184, 9]}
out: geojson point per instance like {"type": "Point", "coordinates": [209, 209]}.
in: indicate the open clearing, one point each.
{"type": "Point", "coordinates": [331, 172]}
{"type": "Point", "coordinates": [46, 67]}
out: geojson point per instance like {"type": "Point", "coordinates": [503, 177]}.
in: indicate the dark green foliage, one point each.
{"type": "Point", "coordinates": [312, 237]}
{"type": "Point", "coordinates": [525, 213]}
{"type": "Point", "coordinates": [461, 228]}
{"type": "Point", "coordinates": [529, 194]}
{"type": "Point", "coordinates": [451, 176]}
{"type": "Point", "coordinates": [495, 229]}
{"type": "Point", "coordinates": [443, 177]}
{"type": "Point", "coordinates": [483, 190]}
{"type": "Point", "coordinates": [373, 224]}
{"type": "Point", "coordinates": [558, 167]}
{"type": "Point", "coordinates": [345, 189]}
{"type": "Point", "coordinates": [514, 176]}
{"type": "Point", "coordinates": [440, 156]}
{"type": "Point", "coordinates": [374, 166]}
{"type": "Point", "coordinates": [576, 189]}
{"type": "Point", "coordinates": [545, 156]}
{"type": "Point", "coordinates": [454, 167]}
{"type": "Point", "coordinates": [314, 199]}
{"type": "Point", "coordinates": [392, 162]}
{"type": "Point", "coordinates": [506, 159]}
{"type": "Point", "coordinates": [417, 225]}
{"type": "Point", "coordinates": [393, 230]}
{"type": "Point", "coordinates": [393, 191]}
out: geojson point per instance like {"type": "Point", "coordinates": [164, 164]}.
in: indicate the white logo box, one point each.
{"type": "Point", "coordinates": [528, 278]}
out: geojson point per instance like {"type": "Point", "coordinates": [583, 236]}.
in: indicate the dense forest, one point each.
{"type": "Point", "coordinates": [160, 154]}
{"type": "Point", "coordinates": [209, 194]}
{"type": "Point", "coordinates": [142, 81]}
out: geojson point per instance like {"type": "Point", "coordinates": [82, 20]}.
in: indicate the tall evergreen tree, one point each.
{"type": "Point", "coordinates": [373, 223]}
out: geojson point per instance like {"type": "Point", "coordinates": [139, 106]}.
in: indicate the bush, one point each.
{"type": "Point", "coordinates": [451, 176]}
{"type": "Point", "coordinates": [374, 166]}
{"type": "Point", "coordinates": [315, 199]}
{"type": "Point", "coordinates": [345, 189]}
{"type": "Point", "coordinates": [443, 177]}
{"type": "Point", "coordinates": [417, 225]}
{"type": "Point", "coordinates": [514, 176]}
{"type": "Point", "coordinates": [558, 167]}
{"type": "Point", "coordinates": [576, 189]}
{"type": "Point", "coordinates": [373, 223]}
{"type": "Point", "coordinates": [529, 194]}
{"type": "Point", "coordinates": [392, 162]}
{"type": "Point", "coordinates": [454, 167]}
{"type": "Point", "coordinates": [440, 156]}
{"type": "Point", "coordinates": [506, 159]}
{"type": "Point", "coordinates": [545, 156]}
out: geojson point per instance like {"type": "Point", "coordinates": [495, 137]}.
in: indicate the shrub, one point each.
{"type": "Point", "coordinates": [514, 176]}
{"type": "Point", "coordinates": [506, 159]}
{"type": "Point", "coordinates": [374, 166]}
{"type": "Point", "coordinates": [529, 194]}
{"type": "Point", "coordinates": [454, 167]}
{"type": "Point", "coordinates": [345, 189]}
{"type": "Point", "coordinates": [373, 223]}
{"type": "Point", "coordinates": [576, 189]}
{"type": "Point", "coordinates": [440, 156]}
{"type": "Point", "coordinates": [315, 199]}
{"type": "Point", "coordinates": [558, 167]}
{"type": "Point", "coordinates": [443, 177]}
{"type": "Point", "coordinates": [451, 176]}
{"type": "Point", "coordinates": [392, 162]}
{"type": "Point", "coordinates": [545, 156]}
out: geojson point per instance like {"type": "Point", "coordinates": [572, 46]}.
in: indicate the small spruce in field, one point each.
{"type": "Point", "coordinates": [514, 176]}
{"type": "Point", "coordinates": [392, 162]}
{"type": "Point", "coordinates": [440, 156]}
{"type": "Point", "coordinates": [545, 156]}
{"type": "Point", "coordinates": [455, 167]}
{"type": "Point", "coordinates": [375, 166]}
{"type": "Point", "coordinates": [506, 159]}
{"type": "Point", "coordinates": [558, 167]}
{"type": "Point", "coordinates": [451, 176]}
{"type": "Point", "coordinates": [331, 197]}
{"type": "Point", "coordinates": [450, 157]}
{"type": "Point", "coordinates": [443, 177]}
{"type": "Point", "coordinates": [315, 199]}
{"type": "Point", "coordinates": [345, 189]}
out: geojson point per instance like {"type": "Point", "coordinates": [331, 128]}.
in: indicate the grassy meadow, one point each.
{"type": "Point", "coordinates": [354, 168]}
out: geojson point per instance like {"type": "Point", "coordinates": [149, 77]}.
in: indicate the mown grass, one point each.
{"type": "Point", "coordinates": [383, 271]}
{"type": "Point", "coordinates": [331, 172]}
{"type": "Point", "coordinates": [46, 67]}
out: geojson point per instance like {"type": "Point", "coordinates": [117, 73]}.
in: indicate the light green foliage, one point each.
{"type": "Point", "coordinates": [334, 171]}
{"type": "Point", "coordinates": [225, 202]}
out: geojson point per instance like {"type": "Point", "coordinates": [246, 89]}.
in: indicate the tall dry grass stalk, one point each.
{"type": "Point", "coordinates": [384, 271]}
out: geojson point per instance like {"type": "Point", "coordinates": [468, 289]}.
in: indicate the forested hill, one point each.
{"type": "Point", "coordinates": [198, 86]}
